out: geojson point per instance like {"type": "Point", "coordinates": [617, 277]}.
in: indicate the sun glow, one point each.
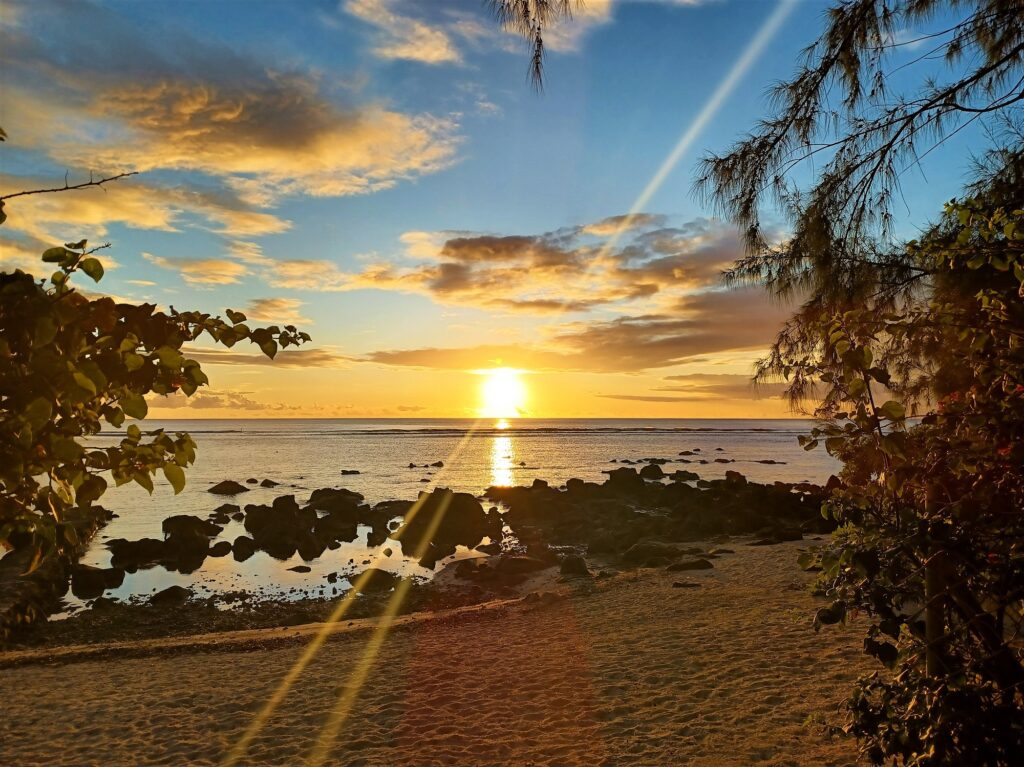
{"type": "Point", "coordinates": [502, 395]}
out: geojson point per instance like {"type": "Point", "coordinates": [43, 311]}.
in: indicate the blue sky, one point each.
{"type": "Point", "coordinates": [382, 173]}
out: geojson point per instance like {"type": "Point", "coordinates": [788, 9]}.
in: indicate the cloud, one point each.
{"type": "Point", "coordinates": [648, 398]}
{"type": "Point", "coordinates": [89, 213]}
{"type": "Point", "coordinates": [286, 358]}
{"type": "Point", "coordinates": [556, 272]}
{"type": "Point", "coordinates": [234, 401]}
{"type": "Point", "coordinates": [712, 322]}
{"type": "Point", "coordinates": [121, 98]}
{"type": "Point", "coordinates": [718, 385]}
{"type": "Point", "coordinates": [283, 310]}
{"type": "Point", "coordinates": [607, 227]}
{"type": "Point", "coordinates": [202, 271]}
{"type": "Point", "coordinates": [249, 252]}
{"type": "Point", "coordinates": [404, 37]}
{"type": "Point", "coordinates": [204, 400]}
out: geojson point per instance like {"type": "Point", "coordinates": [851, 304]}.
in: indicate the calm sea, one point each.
{"type": "Point", "coordinates": [303, 455]}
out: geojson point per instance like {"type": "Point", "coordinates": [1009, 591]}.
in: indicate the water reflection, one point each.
{"type": "Point", "coordinates": [501, 461]}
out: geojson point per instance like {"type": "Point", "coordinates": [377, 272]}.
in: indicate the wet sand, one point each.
{"type": "Point", "coordinates": [630, 671]}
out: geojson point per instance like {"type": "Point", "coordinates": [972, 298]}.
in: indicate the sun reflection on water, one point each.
{"type": "Point", "coordinates": [501, 461]}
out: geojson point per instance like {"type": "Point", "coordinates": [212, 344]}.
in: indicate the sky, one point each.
{"type": "Point", "coordinates": [382, 174]}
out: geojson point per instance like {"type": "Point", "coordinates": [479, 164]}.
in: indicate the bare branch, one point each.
{"type": "Point", "coordinates": [68, 188]}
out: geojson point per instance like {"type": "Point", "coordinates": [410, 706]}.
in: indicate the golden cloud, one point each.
{"type": "Point", "coordinates": [551, 273]}
{"type": "Point", "coordinates": [202, 271]}
{"type": "Point", "coordinates": [281, 310]}
{"type": "Point", "coordinates": [403, 37]}
{"type": "Point", "coordinates": [286, 358]}
{"type": "Point", "coordinates": [109, 102]}
{"type": "Point", "coordinates": [89, 213]}
{"type": "Point", "coordinates": [700, 324]}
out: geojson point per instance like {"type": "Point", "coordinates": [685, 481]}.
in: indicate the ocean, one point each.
{"type": "Point", "coordinates": [302, 455]}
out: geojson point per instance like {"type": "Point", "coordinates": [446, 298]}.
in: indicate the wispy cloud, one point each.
{"type": "Point", "coordinates": [202, 272]}
{"type": "Point", "coordinates": [286, 358]}
{"type": "Point", "coordinates": [402, 36]}
{"type": "Point", "coordinates": [282, 310]}
{"type": "Point", "coordinates": [707, 323]}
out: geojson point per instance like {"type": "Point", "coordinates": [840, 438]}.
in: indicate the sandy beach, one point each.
{"type": "Point", "coordinates": [631, 670]}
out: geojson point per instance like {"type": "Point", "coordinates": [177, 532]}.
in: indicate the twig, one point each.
{"type": "Point", "coordinates": [66, 188]}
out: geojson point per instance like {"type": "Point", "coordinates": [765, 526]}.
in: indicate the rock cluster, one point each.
{"type": "Point", "coordinates": [441, 520]}
{"type": "Point", "coordinates": [641, 522]}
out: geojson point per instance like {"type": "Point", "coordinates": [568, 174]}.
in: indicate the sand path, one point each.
{"type": "Point", "coordinates": [634, 673]}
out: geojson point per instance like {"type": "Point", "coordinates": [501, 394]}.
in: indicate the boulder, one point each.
{"type": "Point", "coordinates": [228, 487]}
{"type": "Point", "coordinates": [334, 499]}
{"type": "Point", "coordinates": [450, 520]}
{"type": "Point", "coordinates": [301, 569]}
{"type": "Point", "coordinates": [374, 581]}
{"type": "Point", "coordinates": [220, 549]}
{"type": "Point", "coordinates": [735, 478]}
{"type": "Point", "coordinates": [684, 476]}
{"type": "Point", "coordinates": [574, 565]}
{"type": "Point", "coordinates": [349, 472]}
{"type": "Point", "coordinates": [645, 550]}
{"type": "Point", "coordinates": [243, 548]}
{"type": "Point", "coordinates": [268, 483]}
{"type": "Point", "coordinates": [624, 479]}
{"type": "Point", "coordinates": [652, 471]}
{"type": "Point", "coordinates": [89, 582]}
{"type": "Point", "coordinates": [171, 596]}
{"type": "Point", "coordinates": [133, 555]}
{"type": "Point", "coordinates": [187, 525]}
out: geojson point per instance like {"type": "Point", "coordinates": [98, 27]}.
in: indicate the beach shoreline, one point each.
{"type": "Point", "coordinates": [631, 670]}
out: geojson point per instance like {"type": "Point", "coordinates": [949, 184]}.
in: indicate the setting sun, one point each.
{"type": "Point", "coordinates": [502, 394]}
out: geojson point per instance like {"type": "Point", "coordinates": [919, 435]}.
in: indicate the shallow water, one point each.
{"type": "Point", "coordinates": [306, 454]}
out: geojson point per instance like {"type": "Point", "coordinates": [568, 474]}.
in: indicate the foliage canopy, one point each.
{"type": "Point", "coordinates": [72, 362]}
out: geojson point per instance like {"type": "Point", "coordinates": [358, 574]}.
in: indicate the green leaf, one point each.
{"type": "Point", "coordinates": [91, 490]}
{"type": "Point", "coordinates": [169, 357]}
{"type": "Point", "coordinates": [134, 405]}
{"type": "Point", "coordinates": [830, 615]}
{"type": "Point", "coordinates": [45, 331]}
{"type": "Point", "coordinates": [38, 413]}
{"type": "Point", "coordinates": [893, 410]}
{"type": "Point", "coordinates": [133, 361]}
{"type": "Point", "coordinates": [83, 381]}
{"type": "Point", "coordinates": [56, 255]}
{"type": "Point", "coordinates": [235, 317]}
{"type": "Point", "coordinates": [269, 348]}
{"type": "Point", "coordinates": [142, 478]}
{"type": "Point", "coordinates": [176, 476]}
{"type": "Point", "coordinates": [92, 267]}
{"type": "Point", "coordinates": [80, 245]}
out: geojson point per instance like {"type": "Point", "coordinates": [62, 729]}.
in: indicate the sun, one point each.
{"type": "Point", "coordinates": [502, 393]}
